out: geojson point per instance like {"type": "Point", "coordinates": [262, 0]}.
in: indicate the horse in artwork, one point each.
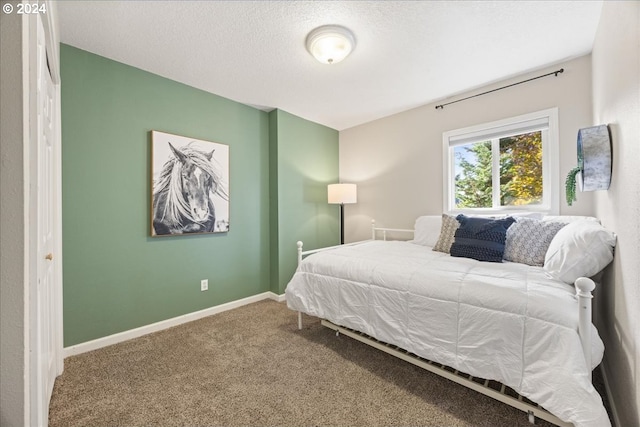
{"type": "Point", "coordinates": [182, 194]}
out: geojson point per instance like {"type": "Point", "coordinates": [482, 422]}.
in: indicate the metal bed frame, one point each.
{"type": "Point", "coordinates": [490, 388]}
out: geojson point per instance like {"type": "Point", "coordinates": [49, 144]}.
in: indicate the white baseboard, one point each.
{"type": "Point", "coordinates": [164, 324]}
{"type": "Point", "coordinates": [612, 404]}
{"type": "Point", "coordinates": [276, 297]}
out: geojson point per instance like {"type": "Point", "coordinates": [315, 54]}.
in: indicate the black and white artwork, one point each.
{"type": "Point", "coordinates": [190, 185]}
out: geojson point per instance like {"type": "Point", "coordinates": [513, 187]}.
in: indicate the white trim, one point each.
{"type": "Point", "coordinates": [495, 171]}
{"type": "Point", "coordinates": [612, 404]}
{"type": "Point", "coordinates": [29, 376]}
{"type": "Point", "coordinates": [276, 297]}
{"type": "Point", "coordinates": [165, 324]}
{"type": "Point", "coordinates": [499, 129]}
{"type": "Point", "coordinates": [59, 338]}
{"type": "Point", "coordinates": [52, 31]}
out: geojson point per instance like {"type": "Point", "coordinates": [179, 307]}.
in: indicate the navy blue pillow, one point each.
{"type": "Point", "coordinates": [481, 238]}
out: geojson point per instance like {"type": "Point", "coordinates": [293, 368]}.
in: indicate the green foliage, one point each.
{"type": "Point", "coordinates": [473, 186]}
{"type": "Point", "coordinates": [521, 169]}
{"type": "Point", "coordinates": [520, 172]}
{"type": "Point", "coordinates": [570, 185]}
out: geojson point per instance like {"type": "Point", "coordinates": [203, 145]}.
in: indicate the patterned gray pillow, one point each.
{"type": "Point", "coordinates": [528, 240]}
{"type": "Point", "coordinates": [449, 226]}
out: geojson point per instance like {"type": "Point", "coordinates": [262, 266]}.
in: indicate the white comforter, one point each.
{"type": "Point", "coordinates": [507, 322]}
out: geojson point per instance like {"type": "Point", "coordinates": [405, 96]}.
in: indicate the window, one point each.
{"type": "Point", "coordinates": [503, 166]}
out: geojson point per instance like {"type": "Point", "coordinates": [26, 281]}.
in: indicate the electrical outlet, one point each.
{"type": "Point", "coordinates": [204, 284]}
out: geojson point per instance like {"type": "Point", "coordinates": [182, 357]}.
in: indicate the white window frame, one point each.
{"type": "Point", "coordinates": [501, 128]}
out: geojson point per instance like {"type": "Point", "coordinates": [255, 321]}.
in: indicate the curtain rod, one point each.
{"type": "Point", "coordinates": [555, 73]}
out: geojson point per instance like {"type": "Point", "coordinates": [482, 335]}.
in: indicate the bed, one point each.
{"type": "Point", "coordinates": [504, 322]}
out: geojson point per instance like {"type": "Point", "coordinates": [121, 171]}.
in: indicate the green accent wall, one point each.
{"type": "Point", "coordinates": [117, 277]}
{"type": "Point", "coordinates": [303, 161]}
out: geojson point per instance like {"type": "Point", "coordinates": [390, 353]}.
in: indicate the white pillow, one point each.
{"type": "Point", "coordinates": [569, 218]}
{"type": "Point", "coordinates": [519, 214]}
{"type": "Point", "coordinates": [532, 215]}
{"type": "Point", "coordinates": [580, 249]}
{"type": "Point", "coordinates": [427, 230]}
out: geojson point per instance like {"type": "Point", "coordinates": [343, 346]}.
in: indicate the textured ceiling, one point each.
{"type": "Point", "coordinates": [408, 53]}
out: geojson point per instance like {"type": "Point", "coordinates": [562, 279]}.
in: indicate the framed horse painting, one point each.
{"type": "Point", "coordinates": [190, 185]}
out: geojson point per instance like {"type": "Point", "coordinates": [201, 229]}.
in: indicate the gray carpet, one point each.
{"type": "Point", "coordinates": [252, 367]}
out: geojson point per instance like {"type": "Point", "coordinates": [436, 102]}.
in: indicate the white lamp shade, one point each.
{"type": "Point", "coordinates": [342, 193]}
{"type": "Point", "coordinates": [330, 44]}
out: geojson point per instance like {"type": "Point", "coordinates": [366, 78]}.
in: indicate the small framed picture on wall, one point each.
{"type": "Point", "coordinates": [190, 185]}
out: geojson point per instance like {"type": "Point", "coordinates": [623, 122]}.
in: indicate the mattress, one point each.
{"type": "Point", "coordinates": [507, 322]}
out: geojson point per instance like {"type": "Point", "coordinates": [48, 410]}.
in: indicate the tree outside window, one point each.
{"type": "Point", "coordinates": [519, 179]}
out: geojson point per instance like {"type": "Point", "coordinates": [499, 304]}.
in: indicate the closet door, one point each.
{"type": "Point", "coordinates": [45, 289]}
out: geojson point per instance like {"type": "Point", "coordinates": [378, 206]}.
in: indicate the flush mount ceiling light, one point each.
{"type": "Point", "coordinates": [330, 44]}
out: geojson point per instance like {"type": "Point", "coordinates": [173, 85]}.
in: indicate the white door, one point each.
{"type": "Point", "coordinates": [45, 299]}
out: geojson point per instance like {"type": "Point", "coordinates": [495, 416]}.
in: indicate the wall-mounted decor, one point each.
{"type": "Point", "coordinates": [190, 185]}
{"type": "Point", "coordinates": [594, 162]}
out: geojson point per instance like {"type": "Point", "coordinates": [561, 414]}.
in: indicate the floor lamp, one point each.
{"type": "Point", "coordinates": [342, 194]}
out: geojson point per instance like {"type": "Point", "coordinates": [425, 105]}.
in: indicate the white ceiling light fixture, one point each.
{"type": "Point", "coordinates": [330, 44]}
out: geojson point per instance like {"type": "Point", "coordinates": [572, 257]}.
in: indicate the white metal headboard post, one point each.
{"type": "Point", "coordinates": [584, 286]}
{"type": "Point", "coordinates": [299, 252]}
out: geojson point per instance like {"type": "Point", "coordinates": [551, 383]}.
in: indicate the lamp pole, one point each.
{"type": "Point", "coordinates": [342, 223]}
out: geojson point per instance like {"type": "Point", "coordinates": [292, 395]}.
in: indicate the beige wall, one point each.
{"type": "Point", "coordinates": [397, 160]}
{"type": "Point", "coordinates": [616, 101]}
{"type": "Point", "coordinates": [12, 284]}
